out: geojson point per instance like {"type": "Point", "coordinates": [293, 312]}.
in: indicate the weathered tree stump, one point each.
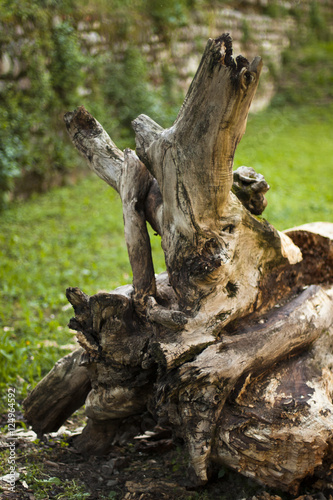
{"type": "Point", "coordinates": [232, 345]}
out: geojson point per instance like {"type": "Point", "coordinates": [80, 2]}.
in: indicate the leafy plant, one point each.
{"type": "Point", "coordinates": [317, 22]}
{"type": "Point", "coordinates": [307, 75]}
{"type": "Point", "coordinates": [167, 14]}
{"type": "Point", "coordinates": [129, 93]}
{"type": "Point", "coordinates": [66, 63]}
{"type": "Point", "coordinates": [43, 79]}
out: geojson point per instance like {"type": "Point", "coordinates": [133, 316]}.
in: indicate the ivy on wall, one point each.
{"type": "Point", "coordinates": [46, 69]}
{"type": "Point", "coordinates": [40, 66]}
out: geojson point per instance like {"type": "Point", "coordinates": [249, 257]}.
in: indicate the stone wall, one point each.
{"type": "Point", "coordinates": [34, 94]}
{"type": "Point", "coordinates": [253, 30]}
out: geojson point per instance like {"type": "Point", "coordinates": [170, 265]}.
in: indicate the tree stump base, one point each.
{"type": "Point", "coordinates": [232, 345]}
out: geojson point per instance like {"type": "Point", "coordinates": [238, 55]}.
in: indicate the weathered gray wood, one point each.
{"type": "Point", "coordinates": [277, 427]}
{"type": "Point", "coordinates": [135, 185]}
{"type": "Point", "coordinates": [200, 387]}
{"type": "Point", "coordinates": [231, 319]}
{"type": "Point", "coordinates": [106, 160]}
{"type": "Point", "coordinates": [285, 412]}
{"type": "Point", "coordinates": [89, 137]}
{"type": "Point", "coordinates": [61, 392]}
{"type": "Point", "coordinates": [201, 143]}
{"type": "Point", "coordinates": [250, 188]}
{"type": "Point", "coordinates": [205, 229]}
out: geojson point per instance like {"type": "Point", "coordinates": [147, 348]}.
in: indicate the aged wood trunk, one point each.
{"type": "Point", "coordinates": [232, 345]}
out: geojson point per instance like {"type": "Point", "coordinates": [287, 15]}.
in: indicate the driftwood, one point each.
{"type": "Point", "coordinates": [232, 345]}
{"type": "Point", "coordinates": [64, 391]}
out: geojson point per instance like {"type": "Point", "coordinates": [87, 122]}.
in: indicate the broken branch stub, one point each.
{"type": "Point", "coordinates": [209, 345]}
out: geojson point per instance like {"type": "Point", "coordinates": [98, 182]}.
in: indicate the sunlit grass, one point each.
{"type": "Point", "coordinates": [293, 149]}
{"type": "Point", "coordinates": [69, 237]}
{"type": "Point", "coordinates": [73, 236]}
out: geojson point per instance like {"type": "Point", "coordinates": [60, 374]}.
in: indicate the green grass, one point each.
{"type": "Point", "coordinates": [293, 149]}
{"type": "Point", "coordinates": [31, 467]}
{"type": "Point", "coordinates": [69, 237]}
{"type": "Point", "coordinates": [73, 236]}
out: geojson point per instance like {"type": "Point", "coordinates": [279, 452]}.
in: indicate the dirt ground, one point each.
{"type": "Point", "coordinates": [149, 467]}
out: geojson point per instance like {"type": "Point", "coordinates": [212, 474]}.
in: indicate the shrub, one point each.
{"type": "Point", "coordinates": [34, 93]}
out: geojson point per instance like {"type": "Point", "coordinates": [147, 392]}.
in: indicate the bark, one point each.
{"type": "Point", "coordinates": [193, 398]}
{"type": "Point", "coordinates": [229, 344]}
{"type": "Point", "coordinates": [61, 392]}
{"type": "Point", "coordinates": [192, 163]}
{"type": "Point", "coordinates": [277, 427]}
{"type": "Point", "coordinates": [108, 162]}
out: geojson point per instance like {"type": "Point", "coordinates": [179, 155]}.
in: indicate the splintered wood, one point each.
{"type": "Point", "coordinates": [232, 345]}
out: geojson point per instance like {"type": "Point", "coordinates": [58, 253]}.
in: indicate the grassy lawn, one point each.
{"type": "Point", "coordinates": [293, 149]}
{"type": "Point", "coordinates": [73, 236]}
{"type": "Point", "coordinates": [70, 237]}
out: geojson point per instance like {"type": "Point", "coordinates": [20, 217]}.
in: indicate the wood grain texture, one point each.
{"type": "Point", "coordinates": [59, 394]}
{"type": "Point", "coordinates": [232, 344]}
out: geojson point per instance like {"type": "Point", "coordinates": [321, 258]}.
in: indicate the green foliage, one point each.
{"type": "Point", "coordinates": [130, 93]}
{"type": "Point", "coordinates": [317, 22]}
{"type": "Point", "coordinates": [167, 14]}
{"type": "Point", "coordinates": [57, 71]}
{"type": "Point", "coordinates": [127, 88]}
{"type": "Point", "coordinates": [275, 10]}
{"type": "Point", "coordinates": [162, 17]}
{"type": "Point", "coordinates": [66, 62]}
{"type": "Point", "coordinates": [44, 82]}
{"type": "Point", "coordinates": [11, 150]}
{"type": "Point", "coordinates": [44, 486]}
{"type": "Point", "coordinates": [246, 32]}
{"type": "Point", "coordinates": [307, 75]}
